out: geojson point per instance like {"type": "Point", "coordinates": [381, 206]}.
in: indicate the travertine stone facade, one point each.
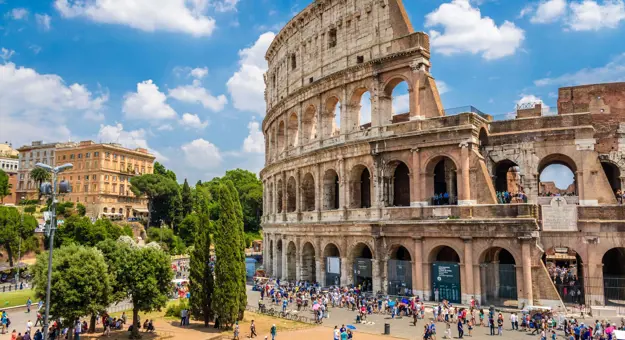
{"type": "Point", "coordinates": [353, 203]}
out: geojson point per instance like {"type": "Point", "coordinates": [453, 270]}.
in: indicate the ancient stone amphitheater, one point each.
{"type": "Point", "coordinates": [408, 202]}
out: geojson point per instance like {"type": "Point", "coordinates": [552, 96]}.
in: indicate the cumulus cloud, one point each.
{"type": "Point", "coordinates": [613, 71]}
{"type": "Point", "coordinates": [226, 5]}
{"type": "Point", "coordinates": [589, 15]}
{"type": "Point", "coordinates": [36, 106]}
{"type": "Point", "coordinates": [255, 141]}
{"type": "Point", "coordinates": [19, 13]}
{"type": "Point", "coordinates": [464, 29]}
{"type": "Point", "coordinates": [6, 54]}
{"type": "Point", "coordinates": [184, 16]}
{"type": "Point", "coordinates": [531, 100]}
{"type": "Point", "coordinates": [43, 20]}
{"type": "Point", "coordinates": [199, 72]}
{"type": "Point", "coordinates": [130, 139]}
{"type": "Point", "coordinates": [247, 86]}
{"type": "Point", "coordinates": [201, 154]}
{"type": "Point", "coordinates": [193, 121]}
{"type": "Point", "coordinates": [147, 103]}
{"type": "Point", "coordinates": [549, 11]}
{"type": "Point", "coordinates": [195, 93]}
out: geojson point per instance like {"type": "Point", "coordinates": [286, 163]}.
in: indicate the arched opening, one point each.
{"type": "Point", "coordinates": [308, 192]}
{"type": "Point", "coordinates": [281, 136]}
{"type": "Point", "coordinates": [401, 185]}
{"type": "Point", "coordinates": [330, 190]}
{"type": "Point", "coordinates": [271, 257]}
{"type": "Point", "coordinates": [332, 118]}
{"type": "Point", "coordinates": [332, 262]}
{"type": "Point", "coordinates": [279, 259]}
{"type": "Point", "coordinates": [498, 277]}
{"type": "Point", "coordinates": [400, 271]}
{"type": "Point", "coordinates": [106, 210]}
{"type": "Point", "coordinates": [360, 187]}
{"type": "Point", "coordinates": [309, 124]}
{"type": "Point", "coordinates": [483, 138]}
{"type": "Point", "coordinates": [364, 113]}
{"type": "Point", "coordinates": [443, 181]}
{"type": "Point", "coordinates": [613, 174]}
{"type": "Point", "coordinates": [507, 180]}
{"type": "Point", "coordinates": [557, 176]}
{"type": "Point", "coordinates": [445, 276]}
{"type": "Point", "coordinates": [309, 265]}
{"type": "Point", "coordinates": [614, 276]}
{"type": "Point", "coordinates": [293, 130]}
{"type": "Point", "coordinates": [280, 201]}
{"type": "Point", "coordinates": [565, 269]}
{"type": "Point", "coordinates": [363, 272]}
{"type": "Point", "coordinates": [291, 195]}
{"type": "Point", "coordinates": [269, 204]}
{"type": "Point", "coordinates": [291, 258]}
{"type": "Point", "coordinates": [359, 113]}
{"type": "Point", "coordinates": [112, 210]}
{"type": "Point", "coordinates": [397, 89]}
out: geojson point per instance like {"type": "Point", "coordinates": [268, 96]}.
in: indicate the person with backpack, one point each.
{"type": "Point", "coordinates": [274, 332]}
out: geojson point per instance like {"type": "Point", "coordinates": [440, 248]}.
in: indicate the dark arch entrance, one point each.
{"type": "Point", "coordinates": [445, 183]}
{"type": "Point", "coordinates": [291, 256]}
{"type": "Point", "coordinates": [505, 177]}
{"type": "Point", "coordinates": [308, 193]}
{"type": "Point", "coordinates": [271, 256]}
{"type": "Point", "coordinates": [498, 278]}
{"type": "Point", "coordinates": [309, 265]}
{"type": "Point", "coordinates": [614, 276]}
{"type": "Point", "coordinates": [613, 174]}
{"type": "Point", "coordinates": [400, 272]}
{"type": "Point", "coordinates": [445, 274]}
{"type": "Point", "coordinates": [363, 272]}
{"type": "Point", "coordinates": [330, 190]}
{"type": "Point", "coordinates": [291, 196]}
{"type": "Point", "coordinates": [566, 270]}
{"type": "Point", "coordinates": [360, 187]}
{"type": "Point", "coordinates": [332, 262]}
{"type": "Point", "coordinates": [279, 199]}
{"type": "Point", "coordinates": [279, 259]}
{"type": "Point", "coordinates": [401, 186]}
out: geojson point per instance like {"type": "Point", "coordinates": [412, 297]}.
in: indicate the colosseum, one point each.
{"type": "Point", "coordinates": [444, 204]}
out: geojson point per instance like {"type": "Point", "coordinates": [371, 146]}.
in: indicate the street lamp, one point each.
{"type": "Point", "coordinates": [48, 189]}
{"type": "Point", "coordinates": [19, 247]}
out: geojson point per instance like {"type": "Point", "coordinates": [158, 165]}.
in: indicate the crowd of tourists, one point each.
{"type": "Point", "coordinates": [506, 197]}
{"type": "Point", "coordinates": [620, 195]}
{"type": "Point", "coordinates": [566, 281]}
{"type": "Point", "coordinates": [443, 198]}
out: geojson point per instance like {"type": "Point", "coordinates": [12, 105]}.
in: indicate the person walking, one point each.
{"type": "Point", "coordinates": [236, 331]}
{"type": "Point", "coordinates": [460, 329]}
{"type": "Point", "coordinates": [183, 317]}
{"type": "Point", "coordinates": [274, 332]}
{"type": "Point", "coordinates": [253, 330]}
{"type": "Point", "coordinates": [491, 324]}
{"type": "Point", "coordinates": [29, 302]}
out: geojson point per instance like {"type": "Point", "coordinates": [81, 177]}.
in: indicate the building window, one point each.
{"type": "Point", "coordinates": [88, 155]}
{"type": "Point", "coordinates": [86, 188]}
{"type": "Point", "coordinates": [114, 156]}
{"type": "Point", "coordinates": [293, 61]}
{"type": "Point", "coordinates": [123, 157]}
{"type": "Point", "coordinates": [106, 177]}
{"type": "Point", "coordinates": [107, 155]}
{"type": "Point", "coordinates": [78, 177]}
{"type": "Point", "coordinates": [79, 156]}
{"type": "Point", "coordinates": [332, 38]}
{"type": "Point", "coordinates": [45, 153]}
{"type": "Point", "coordinates": [71, 156]}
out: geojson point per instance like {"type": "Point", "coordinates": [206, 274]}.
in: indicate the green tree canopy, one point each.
{"type": "Point", "coordinates": [40, 175]}
{"type": "Point", "coordinates": [187, 199]}
{"type": "Point", "coordinates": [12, 230]}
{"type": "Point", "coordinates": [5, 186]}
{"type": "Point", "coordinates": [167, 239]}
{"type": "Point", "coordinates": [80, 230]}
{"type": "Point", "coordinates": [201, 273]}
{"type": "Point", "coordinates": [157, 189]}
{"type": "Point", "coordinates": [188, 228]}
{"type": "Point", "coordinates": [81, 283]}
{"type": "Point", "coordinates": [159, 169]}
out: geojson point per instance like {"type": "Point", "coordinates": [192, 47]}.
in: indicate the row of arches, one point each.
{"type": "Point", "coordinates": [325, 121]}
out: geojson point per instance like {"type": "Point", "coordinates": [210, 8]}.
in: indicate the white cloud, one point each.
{"type": "Point", "coordinates": [165, 127]}
{"type": "Point", "coordinates": [255, 140]}
{"type": "Point", "coordinates": [199, 72]}
{"type": "Point", "coordinates": [130, 139]}
{"type": "Point", "coordinates": [614, 71]}
{"type": "Point", "coordinates": [6, 54]}
{"type": "Point", "coordinates": [195, 93]}
{"type": "Point", "coordinates": [442, 87]}
{"type": "Point", "coordinates": [43, 20]}
{"type": "Point", "coordinates": [193, 121]}
{"type": "Point", "coordinates": [35, 48]}
{"type": "Point", "coordinates": [36, 106]}
{"type": "Point", "coordinates": [185, 16]}
{"type": "Point", "coordinates": [529, 100]}
{"type": "Point", "coordinates": [465, 30]}
{"type": "Point", "coordinates": [401, 104]}
{"type": "Point", "coordinates": [591, 16]}
{"type": "Point", "coordinates": [525, 11]}
{"type": "Point", "coordinates": [201, 154]}
{"type": "Point", "coordinates": [549, 11]}
{"type": "Point", "coordinates": [147, 103]}
{"type": "Point", "coordinates": [247, 85]}
{"type": "Point", "coordinates": [226, 5]}
{"type": "Point", "coordinates": [19, 13]}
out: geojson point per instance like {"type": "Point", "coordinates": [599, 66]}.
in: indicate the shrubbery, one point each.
{"type": "Point", "coordinates": [175, 309]}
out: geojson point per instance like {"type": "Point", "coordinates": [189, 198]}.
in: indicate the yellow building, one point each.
{"type": "Point", "coordinates": [100, 178]}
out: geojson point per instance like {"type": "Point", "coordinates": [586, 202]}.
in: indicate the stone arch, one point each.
{"type": "Point", "coordinates": [397, 104]}
{"type": "Point", "coordinates": [279, 248]}
{"type": "Point", "coordinates": [399, 266]}
{"type": "Point", "coordinates": [331, 190]}
{"type": "Point", "coordinates": [291, 195]}
{"type": "Point", "coordinates": [566, 270]}
{"type": "Point", "coordinates": [498, 279]}
{"type": "Point", "coordinates": [293, 129]}
{"type": "Point", "coordinates": [557, 159]}
{"type": "Point", "coordinates": [309, 124]}
{"type": "Point", "coordinates": [446, 258]}
{"type": "Point", "coordinates": [331, 249]}
{"type": "Point", "coordinates": [331, 117]}
{"type": "Point", "coordinates": [308, 192]}
{"type": "Point", "coordinates": [444, 253]}
{"type": "Point", "coordinates": [281, 136]}
{"type": "Point", "coordinates": [613, 175]}
{"type": "Point", "coordinates": [442, 180]}
{"type": "Point", "coordinates": [506, 177]}
{"type": "Point", "coordinates": [359, 117]}
{"type": "Point", "coordinates": [279, 198]}
{"type": "Point", "coordinates": [614, 276]}
{"type": "Point", "coordinates": [362, 263]}
{"type": "Point", "coordinates": [360, 183]}
{"type": "Point", "coordinates": [483, 138]}
{"type": "Point", "coordinates": [309, 263]}
{"type": "Point", "coordinates": [291, 261]}
{"type": "Point", "coordinates": [331, 264]}
{"type": "Point", "coordinates": [398, 184]}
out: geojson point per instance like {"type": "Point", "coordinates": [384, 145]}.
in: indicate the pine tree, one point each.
{"type": "Point", "coordinates": [226, 296]}
{"type": "Point", "coordinates": [234, 195]}
{"type": "Point", "coordinates": [201, 275]}
{"type": "Point", "coordinates": [187, 199]}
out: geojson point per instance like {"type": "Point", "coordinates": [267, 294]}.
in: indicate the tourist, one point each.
{"type": "Point", "coordinates": [253, 330]}
{"type": "Point", "coordinates": [4, 321]}
{"type": "Point", "coordinates": [500, 325]}
{"type": "Point", "coordinates": [491, 324]}
{"type": "Point", "coordinates": [426, 333]}
{"type": "Point", "coordinates": [29, 302]}
{"type": "Point", "coordinates": [183, 317]}
{"type": "Point", "coordinates": [38, 335]}
{"type": "Point", "coordinates": [236, 331]}
{"type": "Point", "coordinates": [274, 331]}
{"type": "Point", "coordinates": [460, 329]}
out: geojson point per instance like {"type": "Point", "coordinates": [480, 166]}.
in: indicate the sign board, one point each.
{"type": "Point", "coordinates": [559, 215]}
{"type": "Point", "coordinates": [362, 267]}
{"type": "Point", "coordinates": [446, 282]}
{"type": "Point", "coordinates": [333, 265]}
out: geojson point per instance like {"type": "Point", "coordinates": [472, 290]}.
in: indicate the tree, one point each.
{"type": "Point", "coordinates": [81, 231]}
{"type": "Point", "coordinates": [234, 196]}
{"type": "Point", "coordinates": [166, 238]}
{"type": "Point", "coordinates": [12, 230]}
{"type": "Point", "coordinates": [201, 280]}
{"type": "Point", "coordinates": [153, 187]}
{"type": "Point", "coordinates": [81, 209]}
{"type": "Point", "coordinates": [39, 175]}
{"type": "Point", "coordinates": [159, 169]}
{"type": "Point", "coordinates": [188, 228]}
{"type": "Point", "coordinates": [5, 186]}
{"type": "Point", "coordinates": [187, 199]}
{"type": "Point", "coordinates": [250, 191]}
{"type": "Point", "coordinates": [81, 283]}
{"type": "Point", "coordinates": [228, 273]}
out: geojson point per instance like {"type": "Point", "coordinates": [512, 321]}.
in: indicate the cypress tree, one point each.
{"type": "Point", "coordinates": [239, 212]}
{"type": "Point", "coordinates": [201, 276]}
{"type": "Point", "coordinates": [187, 199]}
{"type": "Point", "coordinates": [226, 295]}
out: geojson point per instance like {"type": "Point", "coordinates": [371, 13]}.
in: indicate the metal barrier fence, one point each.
{"type": "Point", "coordinates": [278, 313]}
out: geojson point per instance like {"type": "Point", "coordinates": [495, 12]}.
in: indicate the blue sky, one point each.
{"type": "Point", "coordinates": [184, 77]}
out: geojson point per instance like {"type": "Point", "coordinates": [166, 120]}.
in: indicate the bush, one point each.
{"type": "Point", "coordinates": [175, 309]}
{"type": "Point", "coordinates": [30, 209]}
{"type": "Point", "coordinates": [28, 202]}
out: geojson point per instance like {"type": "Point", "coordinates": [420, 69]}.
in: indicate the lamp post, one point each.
{"type": "Point", "coordinates": [19, 247]}
{"type": "Point", "coordinates": [52, 192]}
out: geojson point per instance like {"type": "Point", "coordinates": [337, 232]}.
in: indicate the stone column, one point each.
{"type": "Point", "coordinates": [579, 178]}
{"type": "Point", "coordinates": [298, 192]}
{"type": "Point", "coordinates": [465, 194]}
{"type": "Point", "coordinates": [300, 134]}
{"type": "Point", "coordinates": [417, 273]}
{"type": "Point", "coordinates": [345, 272]}
{"type": "Point", "coordinates": [377, 275]}
{"type": "Point", "coordinates": [343, 201]}
{"type": "Point", "coordinates": [275, 260]}
{"type": "Point", "coordinates": [319, 273]}
{"type": "Point", "coordinates": [527, 271]}
{"type": "Point", "coordinates": [285, 268]}
{"type": "Point", "coordinates": [468, 269]}
{"type": "Point", "coordinates": [416, 191]}
{"type": "Point", "coordinates": [298, 259]}
{"type": "Point", "coordinates": [284, 186]}
{"type": "Point", "coordinates": [318, 186]}
{"type": "Point", "coordinates": [593, 270]}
